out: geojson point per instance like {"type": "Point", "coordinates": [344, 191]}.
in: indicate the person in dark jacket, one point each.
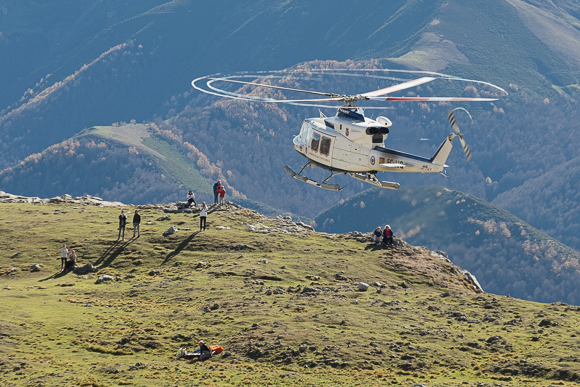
{"type": "Point", "coordinates": [136, 224]}
{"type": "Point", "coordinates": [377, 236]}
{"type": "Point", "coordinates": [388, 236]}
{"type": "Point", "coordinates": [204, 351]}
{"type": "Point", "coordinates": [122, 224]}
{"type": "Point", "coordinates": [191, 199]}
{"type": "Point", "coordinates": [217, 187]}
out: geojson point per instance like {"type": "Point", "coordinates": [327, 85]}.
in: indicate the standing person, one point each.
{"type": "Point", "coordinates": [377, 236]}
{"type": "Point", "coordinates": [63, 257]}
{"type": "Point", "coordinates": [191, 199]}
{"type": "Point", "coordinates": [202, 216]}
{"type": "Point", "coordinates": [136, 224]}
{"type": "Point", "coordinates": [388, 236]}
{"type": "Point", "coordinates": [222, 195]}
{"type": "Point", "coordinates": [216, 191]}
{"type": "Point", "coordinates": [122, 224]}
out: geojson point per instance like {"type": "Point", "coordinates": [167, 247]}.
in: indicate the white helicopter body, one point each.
{"type": "Point", "coordinates": [353, 144]}
{"type": "Point", "coordinates": [350, 143]}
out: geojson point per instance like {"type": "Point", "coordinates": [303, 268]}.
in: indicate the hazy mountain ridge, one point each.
{"type": "Point", "coordinates": [166, 44]}
{"type": "Point", "coordinates": [507, 255]}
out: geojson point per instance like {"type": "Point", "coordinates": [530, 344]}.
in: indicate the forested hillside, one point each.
{"type": "Point", "coordinates": [67, 65]}
{"type": "Point", "coordinates": [139, 163]}
{"type": "Point", "coordinates": [506, 254]}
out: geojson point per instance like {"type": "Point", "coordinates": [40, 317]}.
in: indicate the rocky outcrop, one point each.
{"type": "Point", "coordinates": [66, 198]}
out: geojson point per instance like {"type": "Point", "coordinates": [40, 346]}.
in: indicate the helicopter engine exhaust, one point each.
{"type": "Point", "coordinates": [376, 129]}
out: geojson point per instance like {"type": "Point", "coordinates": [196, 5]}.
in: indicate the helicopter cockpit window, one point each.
{"type": "Point", "coordinates": [315, 142]}
{"type": "Point", "coordinates": [325, 146]}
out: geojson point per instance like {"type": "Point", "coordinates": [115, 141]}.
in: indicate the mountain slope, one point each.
{"type": "Point", "coordinates": [110, 61]}
{"type": "Point", "coordinates": [549, 201]}
{"type": "Point", "coordinates": [139, 163]}
{"type": "Point", "coordinates": [507, 255]}
{"type": "Point", "coordinates": [284, 304]}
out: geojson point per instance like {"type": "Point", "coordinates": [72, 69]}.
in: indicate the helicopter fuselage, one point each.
{"type": "Point", "coordinates": [353, 143]}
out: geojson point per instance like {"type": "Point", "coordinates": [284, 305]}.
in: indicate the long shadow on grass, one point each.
{"type": "Point", "coordinates": [374, 247]}
{"type": "Point", "coordinates": [112, 253]}
{"type": "Point", "coordinates": [54, 276]}
{"type": "Point", "coordinates": [180, 247]}
{"type": "Point", "coordinates": [109, 250]}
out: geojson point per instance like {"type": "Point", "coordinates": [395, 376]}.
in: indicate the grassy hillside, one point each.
{"type": "Point", "coordinates": [506, 254]}
{"type": "Point", "coordinates": [284, 305]}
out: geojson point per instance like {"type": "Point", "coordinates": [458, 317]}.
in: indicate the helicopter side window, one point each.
{"type": "Point", "coordinates": [315, 142]}
{"type": "Point", "coordinates": [325, 146]}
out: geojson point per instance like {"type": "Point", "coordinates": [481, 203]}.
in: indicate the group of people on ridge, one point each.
{"type": "Point", "coordinates": [219, 191]}
{"type": "Point", "coordinates": [385, 236]}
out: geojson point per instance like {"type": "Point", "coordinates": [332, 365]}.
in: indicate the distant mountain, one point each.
{"type": "Point", "coordinates": [506, 254]}
{"type": "Point", "coordinates": [69, 65]}
{"type": "Point", "coordinates": [143, 164]}
{"type": "Point", "coordinates": [133, 162]}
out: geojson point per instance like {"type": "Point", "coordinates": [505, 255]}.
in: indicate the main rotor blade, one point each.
{"type": "Point", "coordinates": [433, 99]}
{"type": "Point", "coordinates": [274, 87]}
{"type": "Point", "coordinates": [399, 87]}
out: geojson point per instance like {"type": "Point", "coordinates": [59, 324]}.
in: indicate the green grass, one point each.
{"type": "Point", "coordinates": [62, 329]}
{"type": "Point", "coordinates": [178, 166]}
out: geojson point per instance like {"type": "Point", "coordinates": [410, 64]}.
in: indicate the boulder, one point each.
{"type": "Point", "coordinates": [85, 269]}
{"type": "Point", "coordinates": [35, 267]}
{"type": "Point", "coordinates": [170, 230]}
{"type": "Point", "coordinates": [104, 278]}
{"type": "Point", "coordinates": [363, 287]}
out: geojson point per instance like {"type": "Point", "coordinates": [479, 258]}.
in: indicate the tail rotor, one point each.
{"type": "Point", "coordinates": [455, 127]}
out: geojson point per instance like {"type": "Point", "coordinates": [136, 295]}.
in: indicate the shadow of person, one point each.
{"type": "Point", "coordinates": [108, 250]}
{"type": "Point", "coordinates": [180, 247]}
{"type": "Point", "coordinates": [112, 253]}
{"type": "Point", "coordinates": [54, 276]}
{"type": "Point", "coordinates": [373, 247]}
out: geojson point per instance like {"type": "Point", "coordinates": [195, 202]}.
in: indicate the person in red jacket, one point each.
{"type": "Point", "coordinates": [222, 195]}
{"type": "Point", "coordinates": [388, 236]}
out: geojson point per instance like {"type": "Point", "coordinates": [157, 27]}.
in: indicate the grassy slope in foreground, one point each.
{"type": "Point", "coordinates": [506, 254]}
{"type": "Point", "coordinates": [296, 320]}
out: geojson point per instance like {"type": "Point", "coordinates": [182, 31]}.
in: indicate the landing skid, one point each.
{"type": "Point", "coordinates": [370, 178]}
{"type": "Point", "coordinates": [323, 185]}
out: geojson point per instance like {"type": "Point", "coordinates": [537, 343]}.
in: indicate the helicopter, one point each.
{"type": "Point", "coordinates": [350, 143]}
